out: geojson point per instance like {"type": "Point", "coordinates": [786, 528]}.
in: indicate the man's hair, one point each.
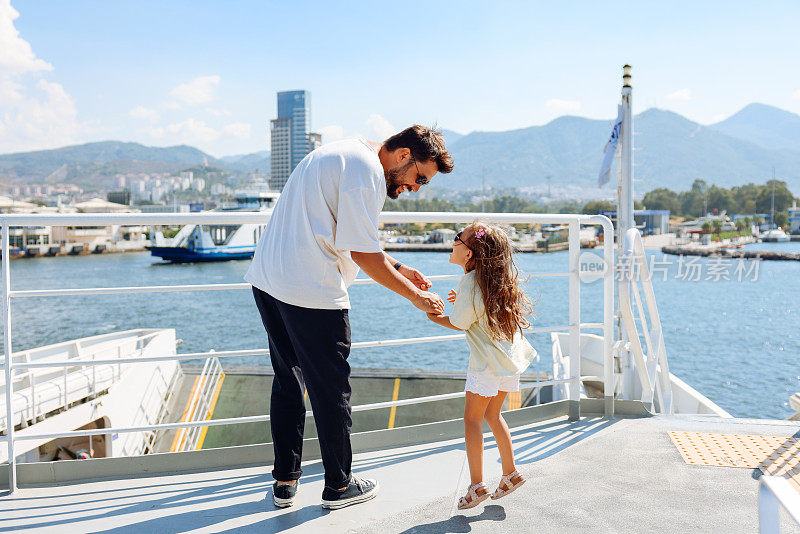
{"type": "Point", "coordinates": [425, 144]}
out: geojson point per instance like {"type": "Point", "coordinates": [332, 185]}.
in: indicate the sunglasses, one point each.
{"type": "Point", "coordinates": [458, 238]}
{"type": "Point", "coordinates": [421, 180]}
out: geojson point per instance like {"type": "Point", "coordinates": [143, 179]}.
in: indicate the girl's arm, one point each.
{"type": "Point", "coordinates": [443, 320]}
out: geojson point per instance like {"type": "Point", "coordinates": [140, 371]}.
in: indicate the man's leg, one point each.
{"type": "Point", "coordinates": [287, 407]}
{"type": "Point", "coordinates": [321, 341]}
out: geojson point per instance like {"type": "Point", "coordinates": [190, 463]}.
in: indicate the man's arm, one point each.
{"type": "Point", "coordinates": [416, 277]}
{"type": "Point", "coordinates": [378, 267]}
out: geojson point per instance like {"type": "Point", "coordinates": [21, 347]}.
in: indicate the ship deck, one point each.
{"type": "Point", "coordinates": [596, 474]}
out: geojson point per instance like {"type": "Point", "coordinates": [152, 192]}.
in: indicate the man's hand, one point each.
{"type": "Point", "coordinates": [416, 277]}
{"type": "Point", "coordinates": [429, 303]}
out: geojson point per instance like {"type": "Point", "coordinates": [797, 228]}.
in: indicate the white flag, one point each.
{"type": "Point", "coordinates": [610, 150]}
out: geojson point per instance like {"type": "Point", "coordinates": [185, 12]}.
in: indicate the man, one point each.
{"type": "Point", "coordinates": [324, 227]}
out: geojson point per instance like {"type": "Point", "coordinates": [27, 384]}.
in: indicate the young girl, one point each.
{"type": "Point", "coordinates": [490, 306]}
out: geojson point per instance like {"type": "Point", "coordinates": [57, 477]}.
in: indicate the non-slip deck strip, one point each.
{"type": "Point", "coordinates": [773, 455]}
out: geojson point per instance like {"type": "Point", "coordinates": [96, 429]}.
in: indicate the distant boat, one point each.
{"type": "Point", "coordinates": [774, 235]}
{"type": "Point", "coordinates": [200, 243]}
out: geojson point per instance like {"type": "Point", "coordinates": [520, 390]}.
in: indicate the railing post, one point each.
{"type": "Point", "coordinates": [574, 318]}
{"type": "Point", "coordinates": [12, 461]}
{"type": "Point", "coordinates": [608, 318]}
{"type": "Point", "coordinates": [769, 510]}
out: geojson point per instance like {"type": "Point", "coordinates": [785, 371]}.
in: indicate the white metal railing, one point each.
{"type": "Point", "coordinates": [774, 493]}
{"type": "Point", "coordinates": [42, 390]}
{"type": "Point", "coordinates": [199, 404]}
{"type": "Point", "coordinates": [651, 366]}
{"type": "Point", "coordinates": [165, 392]}
{"type": "Point", "coordinates": [574, 327]}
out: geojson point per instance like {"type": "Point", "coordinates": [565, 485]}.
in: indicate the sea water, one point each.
{"type": "Point", "coordinates": [730, 328]}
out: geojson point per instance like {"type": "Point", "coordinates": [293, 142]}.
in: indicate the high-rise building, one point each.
{"type": "Point", "coordinates": [314, 141]}
{"type": "Point", "coordinates": [290, 136]}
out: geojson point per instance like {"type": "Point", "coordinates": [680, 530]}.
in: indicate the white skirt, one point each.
{"type": "Point", "coordinates": [487, 384]}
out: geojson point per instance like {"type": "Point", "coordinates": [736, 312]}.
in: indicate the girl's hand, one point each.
{"type": "Point", "coordinates": [451, 297]}
{"type": "Point", "coordinates": [416, 277]}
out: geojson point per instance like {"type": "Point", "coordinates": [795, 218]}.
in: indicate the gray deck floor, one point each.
{"type": "Point", "coordinates": [599, 475]}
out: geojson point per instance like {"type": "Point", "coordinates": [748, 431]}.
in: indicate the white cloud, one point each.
{"type": "Point", "coordinates": [331, 133]}
{"type": "Point", "coordinates": [190, 131]}
{"type": "Point", "coordinates": [218, 112]}
{"type": "Point", "coordinates": [171, 104]}
{"type": "Point", "coordinates": [682, 94]}
{"type": "Point", "coordinates": [45, 117]}
{"type": "Point", "coordinates": [379, 128]}
{"type": "Point", "coordinates": [556, 105]}
{"type": "Point", "coordinates": [197, 91]}
{"type": "Point", "coordinates": [34, 113]}
{"type": "Point", "coordinates": [240, 130]}
{"type": "Point", "coordinates": [796, 94]}
{"type": "Point", "coordinates": [10, 92]}
{"type": "Point", "coordinates": [141, 112]}
{"type": "Point", "coordinates": [16, 55]}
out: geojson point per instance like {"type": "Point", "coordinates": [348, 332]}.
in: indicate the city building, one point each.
{"type": "Point", "coordinates": [119, 197]}
{"type": "Point", "coordinates": [650, 222]}
{"type": "Point", "coordinates": [314, 141]}
{"type": "Point", "coordinates": [794, 218]}
{"type": "Point", "coordinates": [290, 139]}
{"type": "Point", "coordinates": [101, 237]}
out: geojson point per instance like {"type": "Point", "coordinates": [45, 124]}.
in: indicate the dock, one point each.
{"type": "Point", "coordinates": [723, 252]}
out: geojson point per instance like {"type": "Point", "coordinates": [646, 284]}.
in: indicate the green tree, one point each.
{"type": "Point", "coordinates": [693, 202]}
{"type": "Point", "coordinates": [716, 224]}
{"type": "Point", "coordinates": [663, 199]}
{"type": "Point", "coordinates": [744, 198]}
{"type": "Point", "coordinates": [783, 197]}
{"type": "Point", "coordinates": [596, 206]}
{"type": "Point", "coordinates": [706, 227]}
{"type": "Point", "coordinates": [719, 199]}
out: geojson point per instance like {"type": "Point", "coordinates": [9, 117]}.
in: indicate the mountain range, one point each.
{"type": "Point", "coordinates": [672, 151]}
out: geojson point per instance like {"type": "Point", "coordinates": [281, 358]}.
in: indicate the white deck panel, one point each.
{"type": "Point", "coordinates": [620, 475]}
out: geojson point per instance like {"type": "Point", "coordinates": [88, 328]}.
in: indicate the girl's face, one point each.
{"type": "Point", "coordinates": [461, 253]}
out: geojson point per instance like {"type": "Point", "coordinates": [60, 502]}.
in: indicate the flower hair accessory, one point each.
{"type": "Point", "coordinates": [479, 233]}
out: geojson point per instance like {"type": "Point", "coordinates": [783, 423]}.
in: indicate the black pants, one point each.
{"type": "Point", "coordinates": [308, 347]}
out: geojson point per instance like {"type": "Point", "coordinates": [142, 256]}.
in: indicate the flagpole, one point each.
{"type": "Point", "coordinates": [625, 219]}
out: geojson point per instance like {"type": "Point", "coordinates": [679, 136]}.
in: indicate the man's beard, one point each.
{"type": "Point", "coordinates": [393, 181]}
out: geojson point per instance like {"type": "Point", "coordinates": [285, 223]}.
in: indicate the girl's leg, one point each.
{"type": "Point", "coordinates": [500, 430]}
{"type": "Point", "coordinates": [474, 410]}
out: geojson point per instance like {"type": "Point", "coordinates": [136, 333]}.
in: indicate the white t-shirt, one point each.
{"type": "Point", "coordinates": [498, 356]}
{"type": "Point", "coordinates": [329, 207]}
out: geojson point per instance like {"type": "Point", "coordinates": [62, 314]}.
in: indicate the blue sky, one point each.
{"type": "Point", "coordinates": [205, 73]}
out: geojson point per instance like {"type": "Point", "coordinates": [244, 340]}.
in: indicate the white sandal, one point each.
{"type": "Point", "coordinates": [506, 485]}
{"type": "Point", "coordinates": [473, 498]}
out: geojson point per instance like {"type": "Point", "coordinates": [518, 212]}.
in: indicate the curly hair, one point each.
{"type": "Point", "coordinates": [507, 307]}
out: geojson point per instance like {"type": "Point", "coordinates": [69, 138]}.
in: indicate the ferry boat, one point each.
{"type": "Point", "coordinates": [200, 243]}
{"type": "Point", "coordinates": [609, 440]}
